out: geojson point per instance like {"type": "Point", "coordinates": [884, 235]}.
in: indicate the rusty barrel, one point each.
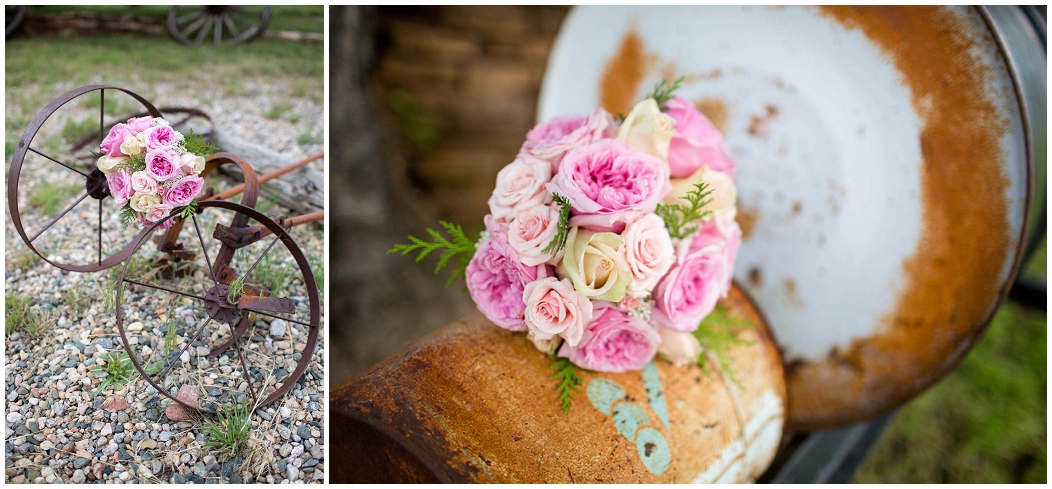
{"type": "Point", "coordinates": [475, 403]}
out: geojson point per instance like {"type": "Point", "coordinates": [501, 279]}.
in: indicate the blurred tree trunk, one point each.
{"type": "Point", "coordinates": [378, 302]}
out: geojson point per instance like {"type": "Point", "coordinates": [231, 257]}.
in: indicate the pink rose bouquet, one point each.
{"type": "Point", "coordinates": [146, 160]}
{"type": "Point", "coordinates": [606, 236]}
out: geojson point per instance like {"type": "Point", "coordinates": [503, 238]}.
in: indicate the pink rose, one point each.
{"type": "Point", "coordinates": [111, 145]}
{"type": "Point", "coordinates": [554, 308]}
{"type": "Point", "coordinates": [720, 232]}
{"type": "Point", "coordinates": [143, 184]}
{"type": "Point", "coordinates": [614, 342]}
{"type": "Point", "coordinates": [648, 252]}
{"type": "Point", "coordinates": [120, 186]}
{"type": "Point", "coordinates": [691, 288]}
{"type": "Point", "coordinates": [520, 185]}
{"type": "Point", "coordinates": [161, 137]}
{"type": "Point", "coordinates": [531, 231]}
{"type": "Point", "coordinates": [162, 164]}
{"type": "Point", "coordinates": [157, 212]}
{"type": "Point", "coordinates": [695, 141]}
{"type": "Point", "coordinates": [192, 164]}
{"type": "Point", "coordinates": [496, 279]}
{"type": "Point", "coordinates": [550, 141]}
{"type": "Point", "coordinates": [679, 348]}
{"type": "Point", "coordinates": [146, 223]}
{"type": "Point", "coordinates": [609, 184]}
{"type": "Point", "coordinates": [183, 191]}
{"type": "Point", "coordinates": [140, 124]}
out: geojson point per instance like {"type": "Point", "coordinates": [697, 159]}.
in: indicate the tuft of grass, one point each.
{"type": "Point", "coordinates": [74, 129]}
{"type": "Point", "coordinates": [24, 259]}
{"type": "Point", "coordinates": [317, 266]}
{"type": "Point", "coordinates": [308, 138]}
{"type": "Point", "coordinates": [48, 197]}
{"type": "Point", "coordinates": [272, 274]}
{"type": "Point", "coordinates": [278, 110]}
{"type": "Point", "coordinates": [228, 435]}
{"type": "Point", "coordinates": [118, 369]}
{"type": "Point", "coordinates": [20, 316]}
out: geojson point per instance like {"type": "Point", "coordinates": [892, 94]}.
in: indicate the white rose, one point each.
{"type": "Point", "coordinates": [531, 231]}
{"type": "Point", "coordinates": [143, 184]}
{"type": "Point", "coordinates": [192, 164]}
{"type": "Point", "coordinates": [554, 308]}
{"type": "Point", "coordinates": [680, 348]}
{"type": "Point", "coordinates": [594, 263]}
{"type": "Point", "coordinates": [724, 193]}
{"type": "Point", "coordinates": [109, 165]}
{"type": "Point", "coordinates": [546, 346]}
{"type": "Point", "coordinates": [648, 252]}
{"type": "Point", "coordinates": [648, 129]}
{"type": "Point", "coordinates": [520, 185]}
{"type": "Point", "coordinates": [143, 202]}
{"type": "Point", "coordinates": [131, 146]}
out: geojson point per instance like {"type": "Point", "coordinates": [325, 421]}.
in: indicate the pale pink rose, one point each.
{"type": "Point", "coordinates": [629, 303]}
{"type": "Point", "coordinates": [550, 141]}
{"type": "Point", "coordinates": [691, 288]}
{"type": "Point", "coordinates": [192, 164]}
{"type": "Point", "coordinates": [680, 348]}
{"type": "Point", "coordinates": [609, 184]}
{"type": "Point", "coordinates": [648, 252]}
{"type": "Point", "coordinates": [140, 124]}
{"type": "Point", "coordinates": [120, 186]}
{"type": "Point", "coordinates": [146, 223]}
{"type": "Point", "coordinates": [614, 342]}
{"type": "Point", "coordinates": [111, 144]}
{"type": "Point", "coordinates": [724, 233]}
{"type": "Point", "coordinates": [520, 185]}
{"type": "Point", "coordinates": [554, 308]}
{"type": "Point", "coordinates": [496, 278]}
{"type": "Point", "coordinates": [531, 232]}
{"type": "Point", "coordinates": [157, 212]}
{"type": "Point", "coordinates": [161, 137]}
{"type": "Point", "coordinates": [183, 191]}
{"type": "Point", "coordinates": [695, 141]}
{"type": "Point", "coordinates": [143, 183]}
{"type": "Point", "coordinates": [162, 164]}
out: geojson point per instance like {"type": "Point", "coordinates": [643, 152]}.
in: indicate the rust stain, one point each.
{"type": "Point", "coordinates": [715, 110]}
{"type": "Point", "coordinates": [797, 206]}
{"type": "Point", "coordinates": [791, 294]}
{"type": "Point", "coordinates": [952, 279]}
{"type": "Point", "coordinates": [747, 218]}
{"type": "Point", "coordinates": [623, 74]}
{"type": "Point", "coordinates": [755, 276]}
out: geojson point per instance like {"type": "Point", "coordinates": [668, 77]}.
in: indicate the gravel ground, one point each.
{"type": "Point", "coordinates": [58, 429]}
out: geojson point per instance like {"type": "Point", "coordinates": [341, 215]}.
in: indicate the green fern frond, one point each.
{"type": "Point", "coordinates": [461, 247]}
{"type": "Point", "coordinates": [679, 218]}
{"type": "Point", "coordinates": [718, 333]}
{"type": "Point", "coordinates": [196, 144]}
{"type": "Point", "coordinates": [569, 381]}
{"type": "Point", "coordinates": [559, 240]}
{"type": "Point", "coordinates": [663, 91]}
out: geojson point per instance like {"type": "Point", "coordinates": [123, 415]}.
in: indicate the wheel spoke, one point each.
{"type": "Point", "coordinates": [244, 367]}
{"type": "Point", "coordinates": [100, 232]}
{"type": "Point", "coordinates": [204, 30]}
{"type": "Point", "coordinates": [218, 38]}
{"type": "Point", "coordinates": [59, 216]}
{"type": "Point", "coordinates": [59, 162]}
{"type": "Point", "coordinates": [260, 257]}
{"type": "Point", "coordinates": [230, 25]}
{"type": "Point", "coordinates": [188, 17]}
{"type": "Point", "coordinates": [102, 113]}
{"type": "Point", "coordinates": [275, 316]}
{"type": "Point", "coordinates": [195, 24]}
{"type": "Point", "coordinates": [204, 249]}
{"type": "Point", "coordinates": [160, 376]}
{"type": "Point", "coordinates": [166, 289]}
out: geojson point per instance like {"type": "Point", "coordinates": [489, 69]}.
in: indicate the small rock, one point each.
{"type": "Point", "coordinates": [177, 412]}
{"type": "Point", "coordinates": [286, 412]}
{"type": "Point", "coordinates": [80, 463]}
{"type": "Point", "coordinates": [136, 326]}
{"type": "Point", "coordinates": [106, 430]}
{"type": "Point", "coordinates": [97, 470]}
{"type": "Point", "coordinates": [115, 404]}
{"type": "Point", "coordinates": [281, 465]}
{"type": "Point", "coordinates": [178, 478]}
{"type": "Point", "coordinates": [277, 328]}
{"type": "Point", "coordinates": [195, 479]}
{"type": "Point", "coordinates": [304, 432]}
{"type": "Point", "coordinates": [292, 472]}
{"type": "Point", "coordinates": [14, 417]}
{"type": "Point", "coordinates": [79, 477]}
{"type": "Point", "coordinates": [152, 415]}
{"type": "Point", "coordinates": [149, 443]}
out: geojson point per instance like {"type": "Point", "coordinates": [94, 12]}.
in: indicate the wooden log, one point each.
{"type": "Point", "coordinates": [301, 190]}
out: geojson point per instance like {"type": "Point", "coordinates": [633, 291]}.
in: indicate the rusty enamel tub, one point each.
{"type": "Point", "coordinates": [475, 403]}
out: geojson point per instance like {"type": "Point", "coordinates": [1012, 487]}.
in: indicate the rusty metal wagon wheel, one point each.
{"type": "Point", "coordinates": [58, 199]}
{"type": "Point", "coordinates": [13, 17]}
{"type": "Point", "coordinates": [220, 24]}
{"type": "Point", "coordinates": [181, 325]}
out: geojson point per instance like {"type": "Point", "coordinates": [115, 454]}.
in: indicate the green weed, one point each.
{"type": "Point", "coordinates": [308, 138]}
{"type": "Point", "coordinates": [228, 434]}
{"type": "Point", "coordinates": [49, 196]}
{"type": "Point", "coordinates": [277, 110]}
{"type": "Point", "coordinates": [118, 369]}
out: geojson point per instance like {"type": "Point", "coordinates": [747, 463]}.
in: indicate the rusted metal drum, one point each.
{"type": "Point", "coordinates": [475, 403]}
{"type": "Point", "coordinates": [885, 171]}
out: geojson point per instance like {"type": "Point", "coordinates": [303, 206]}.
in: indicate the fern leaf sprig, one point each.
{"type": "Point", "coordinates": [188, 211]}
{"type": "Point", "coordinates": [679, 218]}
{"type": "Point", "coordinates": [461, 247]}
{"type": "Point", "coordinates": [569, 381]}
{"type": "Point", "coordinates": [196, 144]}
{"type": "Point", "coordinates": [717, 334]}
{"type": "Point", "coordinates": [663, 91]}
{"type": "Point", "coordinates": [559, 240]}
{"type": "Point", "coordinates": [128, 215]}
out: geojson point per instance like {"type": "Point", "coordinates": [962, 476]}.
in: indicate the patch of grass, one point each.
{"type": "Point", "coordinates": [317, 266]}
{"type": "Point", "coordinates": [272, 274]}
{"type": "Point", "coordinates": [48, 196]}
{"type": "Point", "coordinates": [308, 138]}
{"type": "Point", "coordinates": [19, 315]}
{"type": "Point", "coordinates": [228, 435]}
{"type": "Point", "coordinates": [985, 422]}
{"type": "Point", "coordinates": [118, 368]}
{"type": "Point", "coordinates": [23, 259]}
{"type": "Point", "coordinates": [278, 110]}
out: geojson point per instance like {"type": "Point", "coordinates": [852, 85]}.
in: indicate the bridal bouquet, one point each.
{"type": "Point", "coordinates": [152, 169]}
{"type": "Point", "coordinates": [608, 240]}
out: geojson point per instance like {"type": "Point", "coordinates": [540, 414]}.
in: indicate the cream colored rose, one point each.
{"type": "Point", "coordinates": [132, 146]}
{"type": "Point", "coordinates": [679, 348]}
{"type": "Point", "coordinates": [648, 129]}
{"type": "Point", "coordinates": [648, 252]}
{"type": "Point", "coordinates": [546, 346]}
{"type": "Point", "coordinates": [724, 193]}
{"type": "Point", "coordinates": [109, 165]}
{"type": "Point", "coordinates": [595, 264]}
{"type": "Point", "coordinates": [192, 164]}
{"type": "Point", "coordinates": [520, 185]}
{"type": "Point", "coordinates": [143, 202]}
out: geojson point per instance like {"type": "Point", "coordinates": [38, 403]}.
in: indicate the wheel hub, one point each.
{"type": "Point", "coordinates": [218, 308]}
{"type": "Point", "coordinates": [96, 185]}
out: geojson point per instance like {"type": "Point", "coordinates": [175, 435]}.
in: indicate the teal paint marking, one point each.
{"type": "Point", "coordinates": [628, 417]}
{"type": "Point", "coordinates": [603, 393]}
{"type": "Point", "coordinates": [653, 450]}
{"type": "Point", "coordinates": [655, 393]}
